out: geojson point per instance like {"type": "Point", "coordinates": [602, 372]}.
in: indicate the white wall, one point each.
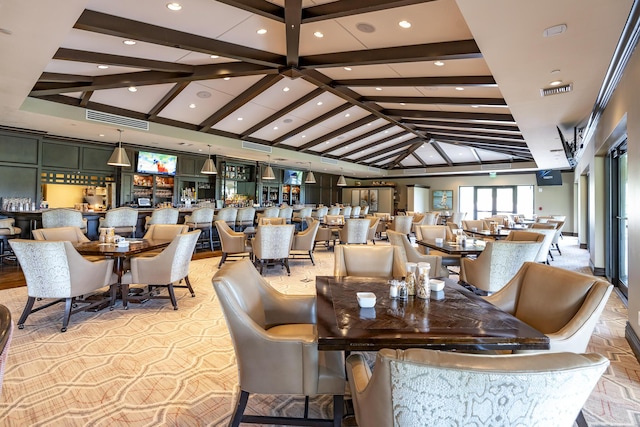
{"type": "Point", "coordinates": [417, 199]}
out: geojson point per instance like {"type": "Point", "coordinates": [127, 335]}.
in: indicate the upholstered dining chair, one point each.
{"type": "Point", "coordinates": [70, 234]}
{"type": "Point", "coordinates": [374, 222]}
{"type": "Point", "coordinates": [320, 213]}
{"type": "Point", "coordinates": [63, 217]}
{"type": "Point", "coordinates": [7, 230]}
{"type": "Point", "coordinates": [497, 264]}
{"type": "Point", "coordinates": [556, 239]}
{"type": "Point", "coordinates": [411, 254]}
{"type": "Point", "coordinates": [365, 210]}
{"type": "Point", "coordinates": [300, 216]}
{"type": "Point", "coordinates": [537, 235]}
{"type": "Point", "coordinates": [368, 261]}
{"type": "Point", "coordinates": [272, 244]}
{"type": "Point", "coordinates": [418, 387]}
{"type": "Point", "coordinates": [334, 210]}
{"type": "Point", "coordinates": [124, 220]}
{"type": "Point", "coordinates": [228, 215]}
{"type": "Point", "coordinates": [346, 211]}
{"type": "Point", "coordinates": [402, 224]}
{"type": "Point", "coordinates": [355, 212]}
{"type": "Point", "coordinates": [304, 241]}
{"type": "Point", "coordinates": [201, 219]}
{"type": "Point", "coordinates": [276, 345]}
{"type": "Point", "coordinates": [270, 212]}
{"type": "Point", "coordinates": [457, 218]}
{"type": "Point", "coordinates": [431, 218]}
{"type": "Point", "coordinates": [55, 270]}
{"type": "Point", "coordinates": [470, 224]}
{"type": "Point", "coordinates": [233, 243]}
{"type": "Point", "coordinates": [354, 231]}
{"type": "Point", "coordinates": [286, 212]}
{"type": "Point", "coordinates": [245, 218]}
{"type": "Point", "coordinates": [166, 269]}
{"type": "Point", "coordinates": [162, 216]}
{"type": "Point", "coordinates": [272, 221]}
{"type": "Point", "coordinates": [6, 333]}
{"type": "Point", "coordinates": [562, 304]}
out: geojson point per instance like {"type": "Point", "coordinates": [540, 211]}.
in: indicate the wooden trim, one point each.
{"type": "Point", "coordinates": [633, 340]}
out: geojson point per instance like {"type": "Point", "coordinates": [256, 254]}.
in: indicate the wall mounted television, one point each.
{"type": "Point", "coordinates": [292, 177]}
{"type": "Point", "coordinates": [164, 164]}
{"type": "Point", "coordinates": [549, 177]}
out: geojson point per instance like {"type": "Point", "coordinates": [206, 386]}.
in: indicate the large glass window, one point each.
{"type": "Point", "coordinates": [483, 202]}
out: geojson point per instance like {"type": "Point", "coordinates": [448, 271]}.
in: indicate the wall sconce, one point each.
{"type": "Point", "coordinates": [119, 156]}
{"type": "Point", "coordinates": [209, 168]}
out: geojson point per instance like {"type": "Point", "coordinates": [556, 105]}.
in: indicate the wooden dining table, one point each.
{"type": "Point", "coordinates": [472, 248]}
{"type": "Point", "coordinates": [452, 319]}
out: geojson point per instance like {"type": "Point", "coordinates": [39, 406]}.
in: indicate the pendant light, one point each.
{"type": "Point", "coordinates": [119, 156]}
{"type": "Point", "coordinates": [209, 168]}
{"type": "Point", "coordinates": [341, 181]}
{"type": "Point", "coordinates": [268, 172]}
{"type": "Point", "coordinates": [310, 179]}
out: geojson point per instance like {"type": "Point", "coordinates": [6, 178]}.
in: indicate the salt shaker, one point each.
{"type": "Point", "coordinates": [393, 288]}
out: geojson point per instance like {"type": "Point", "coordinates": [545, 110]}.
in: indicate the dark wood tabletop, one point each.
{"type": "Point", "coordinates": [452, 248]}
{"type": "Point", "coordinates": [453, 319]}
{"type": "Point", "coordinates": [135, 246]}
{"type": "Point", "coordinates": [500, 234]}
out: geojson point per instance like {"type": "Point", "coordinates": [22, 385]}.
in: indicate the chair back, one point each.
{"type": "Point", "coordinates": [320, 213]}
{"type": "Point", "coordinates": [273, 241]}
{"type": "Point", "coordinates": [175, 259]}
{"type": "Point", "coordinates": [228, 215]}
{"type": "Point", "coordinates": [230, 241]}
{"type": "Point", "coordinates": [411, 254]}
{"type": "Point", "coordinates": [120, 218]}
{"type": "Point", "coordinates": [286, 212]}
{"type": "Point", "coordinates": [69, 234]}
{"type": "Point", "coordinates": [365, 210]}
{"type": "Point", "coordinates": [346, 211]}
{"type": "Point", "coordinates": [384, 216]}
{"type": "Point", "coordinates": [304, 240]}
{"type": "Point", "coordinates": [7, 227]}
{"type": "Point", "coordinates": [163, 216]}
{"type": "Point", "coordinates": [472, 389]}
{"type": "Point", "coordinates": [334, 219]}
{"type": "Point", "coordinates": [334, 210]}
{"type": "Point", "coordinates": [374, 221]}
{"type": "Point", "coordinates": [355, 212]}
{"type": "Point", "coordinates": [402, 224]}
{"type": "Point", "coordinates": [524, 236]}
{"type": "Point", "coordinates": [430, 232]}
{"type": "Point", "coordinates": [61, 217]}
{"type": "Point", "coordinates": [355, 230]}
{"type": "Point", "coordinates": [200, 218]}
{"type": "Point", "coordinates": [470, 224]}
{"type": "Point", "coordinates": [6, 333]}
{"type": "Point", "coordinates": [368, 261]}
{"type": "Point", "coordinates": [245, 216]}
{"type": "Point", "coordinates": [271, 212]}
{"type": "Point", "coordinates": [305, 212]}
{"type": "Point", "coordinates": [457, 218]}
{"type": "Point", "coordinates": [431, 218]}
{"type": "Point", "coordinates": [165, 231]}
{"type": "Point", "coordinates": [543, 235]}
{"type": "Point", "coordinates": [271, 221]}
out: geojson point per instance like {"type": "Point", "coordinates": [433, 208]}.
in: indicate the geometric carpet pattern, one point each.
{"type": "Point", "coordinates": [155, 366]}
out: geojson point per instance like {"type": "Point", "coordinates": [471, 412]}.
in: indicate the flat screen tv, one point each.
{"type": "Point", "coordinates": [549, 177]}
{"type": "Point", "coordinates": [292, 177]}
{"type": "Point", "coordinates": [164, 164]}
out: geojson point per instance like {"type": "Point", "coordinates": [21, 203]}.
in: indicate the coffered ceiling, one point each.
{"type": "Point", "coordinates": [371, 87]}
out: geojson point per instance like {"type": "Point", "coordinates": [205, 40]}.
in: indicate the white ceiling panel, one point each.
{"type": "Point", "coordinates": [141, 101]}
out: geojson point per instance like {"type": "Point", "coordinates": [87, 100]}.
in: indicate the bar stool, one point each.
{"type": "Point", "coordinates": [7, 231]}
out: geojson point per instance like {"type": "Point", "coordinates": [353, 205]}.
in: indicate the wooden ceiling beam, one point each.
{"type": "Point", "coordinates": [342, 8]}
{"type": "Point", "coordinates": [428, 100]}
{"type": "Point", "coordinates": [292, 21]}
{"type": "Point", "coordinates": [167, 98]}
{"type": "Point", "coordinates": [449, 115]}
{"type": "Point", "coordinates": [451, 132]}
{"type": "Point", "coordinates": [312, 123]}
{"type": "Point", "coordinates": [358, 138]}
{"type": "Point", "coordinates": [407, 153]}
{"type": "Point", "coordinates": [436, 124]}
{"type": "Point", "coordinates": [372, 144]}
{"type": "Point", "coordinates": [480, 81]}
{"type": "Point", "coordinates": [75, 55]}
{"type": "Point", "coordinates": [258, 7]}
{"type": "Point", "coordinates": [386, 150]}
{"type": "Point", "coordinates": [441, 152]}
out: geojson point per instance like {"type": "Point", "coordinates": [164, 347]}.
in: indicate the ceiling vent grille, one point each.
{"type": "Point", "coordinates": [328, 161]}
{"type": "Point", "coordinates": [256, 147]}
{"type": "Point", "coordinates": [556, 90]}
{"type": "Point", "coordinates": [112, 119]}
{"type": "Point", "coordinates": [498, 166]}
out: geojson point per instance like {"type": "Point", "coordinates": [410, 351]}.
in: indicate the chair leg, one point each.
{"type": "Point", "coordinates": [338, 410]}
{"type": "Point", "coordinates": [186, 280]}
{"type": "Point", "coordinates": [313, 261]}
{"type": "Point", "coordinates": [580, 420]}
{"type": "Point", "coordinates": [172, 296]}
{"type": "Point", "coordinates": [224, 257]}
{"type": "Point", "coordinates": [211, 239]}
{"type": "Point", "coordinates": [240, 407]}
{"type": "Point", "coordinates": [68, 302]}
{"type": "Point", "coordinates": [286, 264]}
{"type": "Point", "coordinates": [26, 312]}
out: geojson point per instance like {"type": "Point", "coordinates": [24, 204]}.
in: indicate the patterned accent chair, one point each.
{"type": "Point", "coordinates": [271, 212]}
{"type": "Point", "coordinates": [355, 212]}
{"type": "Point", "coordinates": [300, 216]}
{"type": "Point", "coordinates": [428, 387]}
{"type": "Point", "coordinates": [457, 218]}
{"type": "Point", "coordinates": [303, 242]}
{"type": "Point", "coordinates": [411, 254]}
{"type": "Point", "coordinates": [355, 231]}
{"type": "Point", "coordinates": [275, 343]}
{"type": "Point", "coordinates": [55, 270]}
{"type": "Point", "coordinates": [497, 264]}
{"type": "Point", "coordinates": [402, 224]}
{"type": "Point", "coordinates": [562, 304]}
{"type": "Point", "coordinates": [62, 217]}
{"type": "Point", "coordinates": [234, 243]}
{"type": "Point", "coordinates": [320, 213]}
{"type": "Point", "coordinates": [162, 216]}
{"type": "Point", "coordinates": [245, 218]}
{"type": "Point", "coordinates": [228, 215]}
{"type": "Point", "coordinates": [543, 235]}
{"type": "Point", "coordinates": [60, 234]}
{"type": "Point", "coordinates": [368, 261]}
{"type": "Point", "coordinates": [273, 244]}
{"type": "Point", "coordinates": [124, 220]}
{"type": "Point", "coordinates": [201, 219]}
{"type": "Point", "coordinates": [163, 270]}
{"type": "Point", "coordinates": [334, 210]}
{"type": "Point", "coordinates": [6, 333]}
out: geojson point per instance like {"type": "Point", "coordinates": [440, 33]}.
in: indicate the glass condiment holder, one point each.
{"type": "Point", "coordinates": [411, 278]}
{"type": "Point", "coordinates": [423, 288]}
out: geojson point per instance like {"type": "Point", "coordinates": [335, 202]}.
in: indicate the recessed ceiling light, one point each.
{"type": "Point", "coordinates": [227, 78]}
{"type": "Point", "coordinates": [386, 131]}
{"type": "Point", "coordinates": [438, 64]}
{"type": "Point", "coordinates": [555, 83]}
{"type": "Point", "coordinates": [275, 128]}
{"type": "Point", "coordinates": [347, 115]}
{"type": "Point", "coordinates": [318, 34]}
{"type": "Point", "coordinates": [378, 88]}
{"type": "Point", "coordinates": [240, 119]}
{"type": "Point", "coordinates": [101, 135]}
{"type": "Point", "coordinates": [475, 106]}
{"type": "Point", "coordinates": [103, 67]}
{"type": "Point", "coordinates": [303, 136]}
{"type": "Point", "coordinates": [174, 6]}
{"type": "Point", "coordinates": [365, 28]}
{"type": "Point", "coordinates": [368, 124]}
{"type": "Point", "coordinates": [132, 89]}
{"type": "Point", "coordinates": [286, 89]}
{"type": "Point", "coordinates": [347, 68]}
{"type": "Point", "coordinates": [319, 103]}
{"type": "Point", "coordinates": [192, 105]}
{"type": "Point", "coordinates": [327, 142]}
{"type": "Point", "coordinates": [214, 56]}
{"type": "Point", "coordinates": [261, 31]}
{"type": "Point", "coordinates": [405, 24]}
{"type": "Point", "coordinates": [459, 88]}
{"type": "Point", "coordinates": [129, 42]}
{"type": "Point", "coordinates": [403, 103]}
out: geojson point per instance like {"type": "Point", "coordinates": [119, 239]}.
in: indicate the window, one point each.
{"type": "Point", "coordinates": [483, 202]}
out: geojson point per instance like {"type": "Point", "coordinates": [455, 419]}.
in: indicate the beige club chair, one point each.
{"type": "Point", "coordinates": [55, 270]}
{"type": "Point", "coordinates": [229, 215]}
{"type": "Point", "coordinates": [429, 232]}
{"type": "Point", "coordinates": [562, 304]}
{"type": "Point", "coordinates": [166, 269]}
{"type": "Point", "coordinates": [201, 219]}
{"type": "Point", "coordinates": [536, 235]}
{"type": "Point", "coordinates": [369, 261]}
{"type": "Point", "coordinates": [431, 218]}
{"type": "Point", "coordinates": [162, 216]}
{"type": "Point", "coordinates": [69, 234]}
{"type": "Point", "coordinates": [418, 219]}
{"type": "Point", "coordinates": [6, 333]}
{"type": "Point", "coordinates": [234, 243]}
{"type": "Point", "coordinates": [304, 241]}
{"type": "Point", "coordinates": [355, 231]}
{"type": "Point", "coordinates": [497, 264]}
{"type": "Point", "coordinates": [245, 218]}
{"type": "Point", "coordinates": [62, 217]}
{"type": "Point", "coordinates": [326, 235]}
{"type": "Point", "coordinates": [539, 226]}
{"type": "Point", "coordinates": [276, 345]}
{"type": "Point", "coordinates": [165, 231]}
{"type": "Point", "coordinates": [418, 387]}
{"type": "Point", "coordinates": [411, 254]}
{"type": "Point", "coordinates": [457, 218]}
{"type": "Point", "coordinates": [402, 224]}
{"type": "Point", "coordinates": [271, 212]}
{"type": "Point", "coordinates": [470, 224]}
{"type": "Point", "coordinates": [374, 222]}
{"type": "Point", "coordinates": [355, 212]}
{"type": "Point", "coordinates": [319, 213]}
{"type": "Point", "coordinates": [272, 244]}
{"type": "Point", "coordinates": [346, 211]}
{"type": "Point", "coordinates": [124, 220]}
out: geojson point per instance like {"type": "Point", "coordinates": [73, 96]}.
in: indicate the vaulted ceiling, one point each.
{"type": "Point", "coordinates": [403, 86]}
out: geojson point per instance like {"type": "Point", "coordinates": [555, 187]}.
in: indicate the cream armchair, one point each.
{"type": "Point", "coordinates": [234, 243]}
{"type": "Point", "coordinates": [562, 304]}
{"type": "Point", "coordinates": [162, 216]}
{"type": "Point", "coordinates": [418, 387]}
{"type": "Point", "coordinates": [402, 224]}
{"type": "Point", "coordinates": [303, 242]}
{"type": "Point", "coordinates": [275, 343]}
{"type": "Point", "coordinates": [354, 231]}
{"type": "Point", "coordinates": [124, 221]}
{"type": "Point", "coordinates": [319, 213]}
{"type": "Point", "coordinates": [272, 243]}
{"type": "Point", "coordinates": [62, 217]}
{"type": "Point", "coordinates": [299, 217]}
{"type": "Point", "coordinates": [272, 221]}
{"type": "Point", "coordinates": [69, 234]}
{"type": "Point", "coordinates": [374, 221]}
{"type": "Point", "coordinates": [245, 217]}
{"type": "Point", "coordinates": [55, 270]}
{"type": "Point", "coordinates": [368, 261]}
{"type": "Point", "coordinates": [411, 254]}
{"type": "Point", "coordinates": [270, 212]}
{"type": "Point", "coordinates": [545, 236]}
{"type": "Point", "coordinates": [497, 264]}
{"type": "Point", "coordinates": [286, 213]}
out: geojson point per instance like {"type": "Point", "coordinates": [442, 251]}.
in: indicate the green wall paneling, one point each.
{"type": "Point", "coordinates": [18, 149]}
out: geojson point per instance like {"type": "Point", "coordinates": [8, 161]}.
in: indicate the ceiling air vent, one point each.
{"type": "Point", "coordinates": [497, 166]}
{"type": "Point", "coordinates": [256, 147]}
{"type": "Point", "coordinates": [556, 90]}
{"type": "Point", "coordinates": [112, 119]}
{"type": "Point", "coordinates": [328, 161]}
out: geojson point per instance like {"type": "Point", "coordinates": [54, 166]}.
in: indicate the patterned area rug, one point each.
{"type": "Point", "coordinates": [153, 366]}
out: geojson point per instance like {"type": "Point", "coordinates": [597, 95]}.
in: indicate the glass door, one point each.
{"type": "Point", "coordinates": [620, 242]}
{"type": "Point", "coordinates": [492, 201]}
